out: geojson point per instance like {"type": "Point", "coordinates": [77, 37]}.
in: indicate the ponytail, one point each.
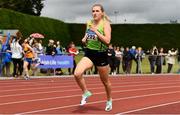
{"type": "Point", "coordinates": [106, 17]}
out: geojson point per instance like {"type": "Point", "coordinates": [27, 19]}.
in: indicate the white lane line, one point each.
{"type": "Point", "coordinates": [45, 92]}
{"type": "Point", "coordinates": [37, 84]}
{"type": "Point", "coordinates": [120, 83]}
{"type": "Point", "coordinates": [51, 82]}
{"type": "Point", "coordinates": [52, 98]}
{"type": "Point", "coordinates": [89, 76]}
{"type": "Point", "coordinates": [41, 83]}
{"type": "Point", "coordinates": [103, 101]}
{"type": "Point", "coordinates": [40, 80]}
{"type": "Point", "coordinates": [46, 78]}
{"type": "Point", "coordinates": [149, 107]}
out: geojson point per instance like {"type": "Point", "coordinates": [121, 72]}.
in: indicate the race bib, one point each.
{"type": "Point", "coordinates": [91, 35]}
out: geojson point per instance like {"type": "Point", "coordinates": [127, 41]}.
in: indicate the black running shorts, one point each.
{"type": "Point", "coordinates": [98, 58]}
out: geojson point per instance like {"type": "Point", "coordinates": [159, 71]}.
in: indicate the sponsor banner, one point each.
{"type": "Point", "coordinates": [48, 61]}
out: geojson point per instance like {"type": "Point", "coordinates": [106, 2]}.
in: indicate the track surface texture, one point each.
{"type": "Point", "coordinates": [132, 94]}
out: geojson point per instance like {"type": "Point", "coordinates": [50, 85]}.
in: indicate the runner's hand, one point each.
{"type": "Point", "coordinates": [84, 40]}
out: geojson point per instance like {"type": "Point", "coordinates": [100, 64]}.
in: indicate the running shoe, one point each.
{"type": "Point", "coordinates": [108, 105]}
{"type": "Point", "coordinates": [85, 96]}
{"type": "Point", "coordinates": [26, 77]}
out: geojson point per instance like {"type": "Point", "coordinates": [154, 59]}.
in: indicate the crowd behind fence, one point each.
{"type": "Point", "coordinates": [120, 62]}
{"type": "Point", "coordinates": [157, 59]}
{"type": "Point", "coordinates": [118, 57]}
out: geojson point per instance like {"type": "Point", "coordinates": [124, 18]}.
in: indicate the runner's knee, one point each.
{"type": "Point", "coordinates": [107, 83]}
{"type": "Point", "coordinates": [78, 74]}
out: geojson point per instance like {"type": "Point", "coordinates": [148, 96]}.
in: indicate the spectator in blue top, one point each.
{"type": "Point", "coordinates": [133, 52]}
{"type": "Point", "coordinates": [6, 58]}
{"type": "Point", "coordinates": [58, 48]}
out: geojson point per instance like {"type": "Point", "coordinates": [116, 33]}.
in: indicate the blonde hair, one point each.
{"type": "Point", "coordinates": [106, 17]}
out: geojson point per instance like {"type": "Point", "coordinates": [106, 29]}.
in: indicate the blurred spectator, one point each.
{"type": "Point", "coordinates": [138, 57]}
{"type": "Point", "coordinates": [17, 56]}
{"type": "Point", "coordinates": [160, 61]}
{"type": "Point", "coordinates": [171, 59]}
{"type": "Point", "coordinates": [118, 55]}
{"type": "Point", "coordinates": [178, 61]}
{"type": "Point", "coordinates": [30, 40]}
{"type": "Point", "coordinates": [50, 49]}
{"type": "Point", "coordinates": [40, 47]}
{"type": "Point", "coordinates": [73, 51]}
{"type": "Point", "coordinates": [127, 61]}
{"type": "Point", "coordinates": [133, 53]}
{"type": "Point", "coordinates": [152, 58]}
{"type": "Point", "coordinates": [111, 59]}
{"type": "Point", "coordinates": [59, 49]}
{"type": "Point", "coordinates": [0, 42]}
{"type": "Point", "coordinates": [122, 49]}
{"type": "Point", "coordinates": [6, 57]}
{"type": "Point", "coordinates": [58, 52]}
{"type": "Point", "coordinates": [0, 56]}
{"type": "Point", "coordinates": [36, 60]}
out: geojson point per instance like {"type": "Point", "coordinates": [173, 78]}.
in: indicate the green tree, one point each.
{"type": "Point", "coordinates": [32, 7]}
{"type": "Point", "coordinates": [38, 6]}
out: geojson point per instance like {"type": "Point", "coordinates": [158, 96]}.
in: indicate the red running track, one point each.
{"type": "Point", "coordinates": [145, 94]}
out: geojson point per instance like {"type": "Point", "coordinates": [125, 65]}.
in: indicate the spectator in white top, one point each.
{"type": "Point", "coordinates": [118, 55]}
{"type": "Point", "coordinates": [139, 56]}
{"type": "Point", "coordinates": [40, 45]}
{"type": "Point", "coordinates": [17, 55]}
{"type": "Point", "coordinates": [171, 59]}
{"type": "Point", "coordinates": [179, 61]}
